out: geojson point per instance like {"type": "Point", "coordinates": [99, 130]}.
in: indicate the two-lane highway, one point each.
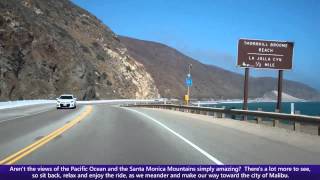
{"type": "Point", "coordinates": [113, 135]}
{"type": "Point", "coordinates": [109, 134]}
{"type": "Point", "coordinates": [22, 126]}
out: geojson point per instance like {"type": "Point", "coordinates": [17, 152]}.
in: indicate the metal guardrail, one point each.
{"type": "Point", "coordinates": [297, 119]}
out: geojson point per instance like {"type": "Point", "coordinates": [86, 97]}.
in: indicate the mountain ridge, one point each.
{"type": "Point", "coordinates": [48, 48]}
{"type": "Point", "coordinates": [169, 67]}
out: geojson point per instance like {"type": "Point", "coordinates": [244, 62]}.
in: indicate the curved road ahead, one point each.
{"type": "Point", "coordinates": [109, 134]}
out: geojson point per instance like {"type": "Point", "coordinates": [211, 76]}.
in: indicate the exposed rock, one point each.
{"type": "Point", "coordinates": [52, 47]}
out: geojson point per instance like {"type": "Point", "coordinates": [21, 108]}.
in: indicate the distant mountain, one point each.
{"type": "Point", "coordinates": [272, 96]}
{"type": "Point", "coordinates": [50, 47]}
{"type": "Point", "coordinates": [169, 67]}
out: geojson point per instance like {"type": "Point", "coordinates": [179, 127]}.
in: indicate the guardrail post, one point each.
{"type": "Point", "coordinates": [276, 121]}
{"type": "Point", "coordinates": [223, 115]}
{"type": "Point", "coordinates": [259, 119]}
{"type": "Point", "coordinates": [219, 115]}
{"type": "Point", "coordinates": [215, 114]}
{"type": "Point", "coordinates": [296, 125]}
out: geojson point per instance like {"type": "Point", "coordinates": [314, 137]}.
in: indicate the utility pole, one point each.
{"type": "Point", "coordinates": [187, 98]}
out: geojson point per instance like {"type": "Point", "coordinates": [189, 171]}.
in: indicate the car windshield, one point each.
{"type": "Point", "coordinates": [66, 97]}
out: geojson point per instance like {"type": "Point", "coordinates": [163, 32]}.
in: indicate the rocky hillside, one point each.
{"type": "Point", "coordinates": [168, 67]}
{"type": "Point", "coordinates": [50, 47]}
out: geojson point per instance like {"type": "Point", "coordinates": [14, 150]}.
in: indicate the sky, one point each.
{"type": "Point", "coordinates": [209, 30]}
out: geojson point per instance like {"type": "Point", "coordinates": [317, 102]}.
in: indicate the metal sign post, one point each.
{"type": "Point", "coordinates": [245, 89]}
{"type": "Point", "coordinates": [188, 84]}
{"type": "Point", "coordinates": [279, 98]}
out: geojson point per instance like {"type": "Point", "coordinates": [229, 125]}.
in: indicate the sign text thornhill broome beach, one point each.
{"type": "Point", "coordinates": [265, 54]}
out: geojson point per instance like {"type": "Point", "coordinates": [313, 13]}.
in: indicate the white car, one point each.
{"type": "Point", "coordinates": [66, 101]}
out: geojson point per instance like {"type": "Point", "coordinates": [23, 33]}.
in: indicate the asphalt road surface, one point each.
{"type": "Point", "coordinates": [109, 134]}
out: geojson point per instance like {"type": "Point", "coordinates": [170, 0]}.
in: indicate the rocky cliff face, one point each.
{"type": "Point", "coordinates": [52, 47]}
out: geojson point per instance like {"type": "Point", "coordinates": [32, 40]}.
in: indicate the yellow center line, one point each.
{"type": "Point", "coordinates": [32, 147]}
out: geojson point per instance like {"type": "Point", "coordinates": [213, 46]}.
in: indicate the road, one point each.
{"type": "Point", "coordinates": [109, 134]}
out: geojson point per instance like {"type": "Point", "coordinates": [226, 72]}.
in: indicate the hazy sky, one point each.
{"type": "Point", "coordinates": [208, 30]}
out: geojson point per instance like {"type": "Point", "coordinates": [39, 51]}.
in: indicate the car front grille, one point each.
{"type": "Point", "coordinates": [64, 105]}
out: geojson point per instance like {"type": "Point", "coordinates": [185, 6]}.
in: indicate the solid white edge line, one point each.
{"type": "Point", "coordinates": [215, 160]}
